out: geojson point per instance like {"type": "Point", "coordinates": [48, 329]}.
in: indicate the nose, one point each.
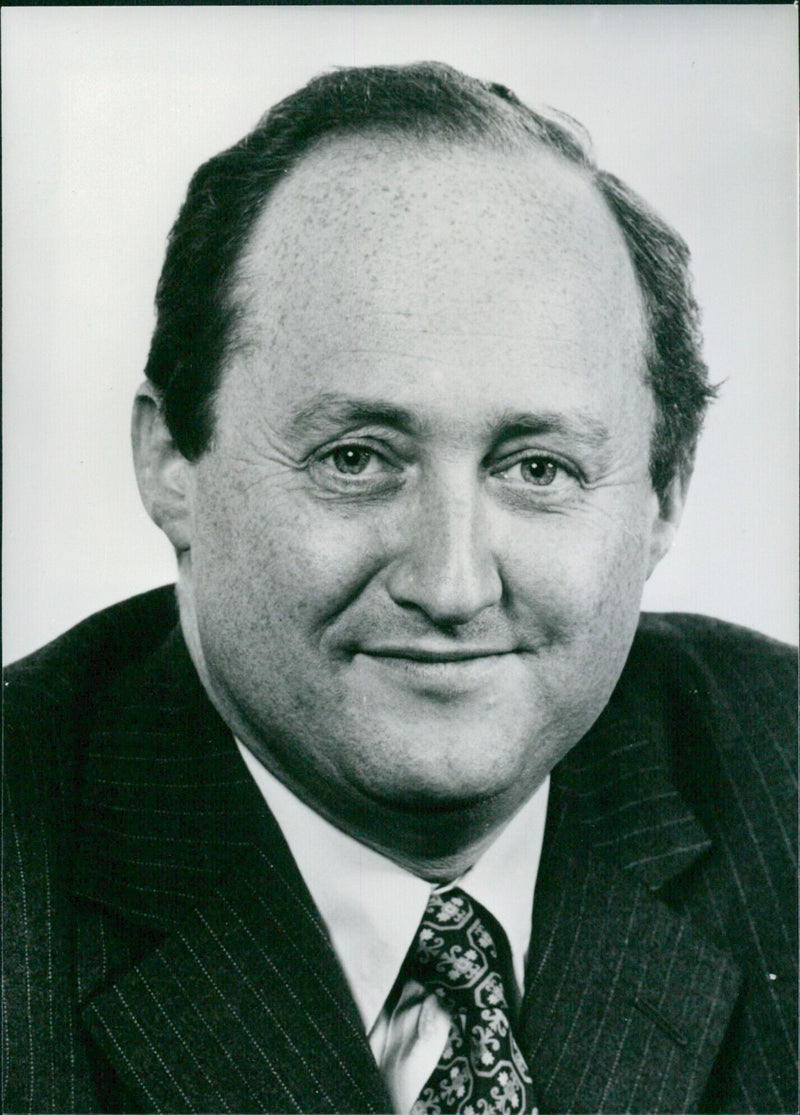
{"type": "Point", "coordinates": [447, 568]}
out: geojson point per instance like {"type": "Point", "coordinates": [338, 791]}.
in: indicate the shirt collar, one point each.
{"type": "Point", "coordinates": [372, 907]}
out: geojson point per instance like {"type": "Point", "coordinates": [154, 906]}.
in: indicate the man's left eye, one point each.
{"type": "Point", "coordinates": [352, 460]}
{"type": "Point", "coordinates": [537, 470]}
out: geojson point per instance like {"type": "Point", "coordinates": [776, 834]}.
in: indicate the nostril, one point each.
{"type": "Point", "coordinates": [449, 594]}
{"type": "Point", "coordinates": [446, 567]}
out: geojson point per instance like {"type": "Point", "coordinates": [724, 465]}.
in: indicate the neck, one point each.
{"type": "Point", "coordinates": [433, 842]}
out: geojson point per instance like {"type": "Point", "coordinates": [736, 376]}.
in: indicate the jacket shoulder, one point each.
{"type": "Point", "coordinates": [729, 697]}
{"type": "Point", "coordinates": [48, 698]}
{"type": "Point", "coordinates": [713, 636]}
{"type": "Point", "coordinates": [720, 662]}
{"type": "Point", "coordinates": [48, 695]}
{"type": "Point", "coordinates": [85, 658]}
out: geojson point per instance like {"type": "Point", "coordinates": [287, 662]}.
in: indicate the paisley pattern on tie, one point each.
{"type": "Point", "coordinates": [481, 1071]}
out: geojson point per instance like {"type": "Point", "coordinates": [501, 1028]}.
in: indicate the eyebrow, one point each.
{"type": "Point", "coordinates": [328, 408]}
{"type": "Point", "coordinates": [572, 425]}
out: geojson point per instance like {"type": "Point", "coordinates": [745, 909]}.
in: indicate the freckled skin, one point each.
{"type": "Point", "coordinates": [460, 285]}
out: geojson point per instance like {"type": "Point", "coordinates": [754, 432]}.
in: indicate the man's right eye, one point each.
{"type": "Point", "coordinates": [355, 467]}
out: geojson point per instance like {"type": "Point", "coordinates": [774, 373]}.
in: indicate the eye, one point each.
{"type": "Point", "coordinates": [541, 471]}
{"type": "Point", "coordinates": [351, 460]}
{"type": "Point", "coordinates": [355, 467]}
{"type": "Point", "coordinates": [537, 470]}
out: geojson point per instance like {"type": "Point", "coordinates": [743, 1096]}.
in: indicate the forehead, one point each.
{"type": "Point", "coordinates": [428, 260]}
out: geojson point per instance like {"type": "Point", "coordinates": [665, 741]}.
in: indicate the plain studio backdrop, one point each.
{"type": "Point", "coordinates": [108, 111]}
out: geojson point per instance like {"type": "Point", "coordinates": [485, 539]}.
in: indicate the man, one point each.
{"type": "Point", "coordinates": [402, 806]}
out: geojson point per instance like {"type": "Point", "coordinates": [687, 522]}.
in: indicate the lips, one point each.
{"type": "Point", "coordinates": [442, 674]}
{"type": "Point", "coordinates": [435, 655]}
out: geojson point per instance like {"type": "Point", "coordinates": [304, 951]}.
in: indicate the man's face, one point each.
{"type": "Point", "coordinates": [420, 536]}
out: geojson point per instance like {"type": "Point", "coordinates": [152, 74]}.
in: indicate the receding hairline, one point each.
{"type": "Point", "coordinates": [374, 141]}
{"type": "Point", "coordinates": [377, 141]}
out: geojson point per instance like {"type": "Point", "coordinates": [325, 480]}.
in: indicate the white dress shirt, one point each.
{"type": "Point", "coordinates": [372, 909]}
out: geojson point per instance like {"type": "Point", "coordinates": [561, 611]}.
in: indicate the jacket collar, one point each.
{"type": "Point", "coordinates": [165, 801]}
{"type": "Point", "coordinates": [618, 792]}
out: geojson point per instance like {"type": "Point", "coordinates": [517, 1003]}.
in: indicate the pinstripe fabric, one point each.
{"type": "Point", "coordinates": [163, 953]}
{"type": "Point", "coordinates": [669, 876]}
{"type": "Point", "coordinates": [45, 1062]}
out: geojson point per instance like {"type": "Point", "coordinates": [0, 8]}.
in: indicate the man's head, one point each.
{"type": "Point", "coordinates": [416, 443]}
{"type": "Point", "coordinates": [197, 317]}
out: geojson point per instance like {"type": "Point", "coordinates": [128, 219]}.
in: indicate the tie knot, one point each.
{"type": "Point", "coordinates": [455, 952]}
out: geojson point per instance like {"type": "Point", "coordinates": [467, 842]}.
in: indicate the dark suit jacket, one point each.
{"type": "Point", "coordinates": [163, 953]}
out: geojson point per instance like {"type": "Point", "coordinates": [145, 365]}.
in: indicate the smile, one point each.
{"type": "Point", "coordinates": [440, 673]}
{"type": "Point", "coordinates": [433, 656]}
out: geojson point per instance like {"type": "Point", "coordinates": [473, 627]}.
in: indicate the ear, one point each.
{"type": "Point", "coordinates": [165, 477]}
{"type": "Point", "coordinates": [667, 517]}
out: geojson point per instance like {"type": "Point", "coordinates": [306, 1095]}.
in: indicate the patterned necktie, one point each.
{"type": "Point", "coordinates": [481, 1071]}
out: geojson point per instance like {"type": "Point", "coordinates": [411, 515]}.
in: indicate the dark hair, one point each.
{"type": "Point", "coordinates": [197, 314]}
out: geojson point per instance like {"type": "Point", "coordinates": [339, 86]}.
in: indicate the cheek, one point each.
{"type": "Point", "coordinates": [267, 562]}
{"type": "Point", "coordinates": [579, 576]}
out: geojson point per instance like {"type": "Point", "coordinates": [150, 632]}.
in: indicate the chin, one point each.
{"type": "Point", "coordinates": [441, 781]}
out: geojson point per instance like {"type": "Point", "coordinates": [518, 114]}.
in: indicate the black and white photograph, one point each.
{"type": "Point", "coordinates": [400, 559]}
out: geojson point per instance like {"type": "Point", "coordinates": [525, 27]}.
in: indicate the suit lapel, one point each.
{"type": "Point", "coordinates": [236, 1002]}
{"type": "Point", "coordinates": [242, 1008]}
{"type": "Point", "coordinates": [626, 1004]}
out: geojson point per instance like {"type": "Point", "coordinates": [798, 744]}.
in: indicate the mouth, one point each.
{"type": "Point", "coordinates": [443, 673]}
{"type": "Point", "coordinates": [436, 655]}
